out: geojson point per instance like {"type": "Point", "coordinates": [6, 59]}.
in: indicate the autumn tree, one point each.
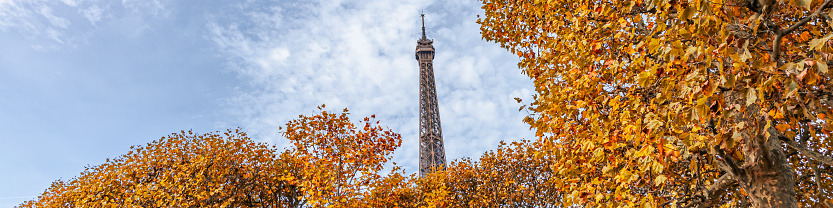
{"type": "Point", "coordinates": [184, 170]}
{"type": "Point", "coordinates": [340, 160]}
{"type": "Point", "coordinates": [396, 189]}
{"type": "Point", "coordinates": [513, 175]}
{"type": "Point", "coordinates": [685, 103]}
{"type": "Point", "coordinates": [331, 163]}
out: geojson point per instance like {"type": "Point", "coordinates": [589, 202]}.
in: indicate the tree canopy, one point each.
{"type": "Point", "coordinates": [332, 163]}
{"type": "Point", "coordinates": [339, 160]}
{"type": "Point", "coordinates": [184, 170]}
{"type": "Point", "coordinates": [690, 103]}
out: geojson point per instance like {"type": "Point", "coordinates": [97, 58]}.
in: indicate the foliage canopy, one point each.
{"type": "Point", "coordinates": [184, 170]}
{"type": "Point", "coordinates": [331, 164]}
{"type": "Point", "coordinates": [691, 103]}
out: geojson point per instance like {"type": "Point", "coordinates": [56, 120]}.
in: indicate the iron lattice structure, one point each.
{"type": "Point", "coordinates": [431, 148]}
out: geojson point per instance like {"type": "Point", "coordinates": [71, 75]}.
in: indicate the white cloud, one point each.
{"type": "Point", "coordinates": [359, 55]}
{"type": "Point", "coordinates": [93, 14]}
{"type": "Point", "coordinates": [71, 3]}
{"type": "Point", "coordinates": [48, 20]}
{"type": "Point", "coordinates": [273, 59]}
{"type": "Point", "coordinates": [10, 13]}
{"type": "Point", "coordinates": [55, 21]}
{"type": "Point", "coordinates": [152, 7]}
{"type": "Point", "coordinates": [54, 35]}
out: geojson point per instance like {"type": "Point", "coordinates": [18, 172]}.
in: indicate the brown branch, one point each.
{"type": "Point", "coordinates": [817, 174]}
{"type": "Point", "coordinates": [720, 187]}
{"type": "Point", "coordinates": [739, 30]}
{"type": "Point", "coordinates": [735, 170]}
{"type": "Point", "coordinates": [723, 167]}
{"type": "Point", "coordinates": [807, 152]}
{"type": "Point", "coordinates": [779, 34]}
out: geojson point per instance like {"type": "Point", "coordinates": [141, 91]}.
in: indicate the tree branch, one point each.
{"type": "Point", "coordinates": [715, 191]}
{"type": "Point", "coordinates": [735, 170]}
{"type": "Point", "coordinates": [817, 174]}
{"type": "Point", "coordinates": [779, 34]}
{"type": "Point", "coordinates": [807, 152]}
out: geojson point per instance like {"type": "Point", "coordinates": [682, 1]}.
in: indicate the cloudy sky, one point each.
{"type": "Point", "coordinates": [83, 80]}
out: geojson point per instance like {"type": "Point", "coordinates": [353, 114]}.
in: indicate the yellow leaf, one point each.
{"type": "Point", "coordinates": [751, 96]}
{"type": "Point", "coordinates": [817, 43]}
{"type": "Point", "coordinates": [689, 12]}
{"type": "Point", "coordinates": [659, 180]}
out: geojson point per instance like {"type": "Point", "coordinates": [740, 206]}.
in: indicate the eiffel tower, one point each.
{"type": "Point", "coordinates": [431, 148]}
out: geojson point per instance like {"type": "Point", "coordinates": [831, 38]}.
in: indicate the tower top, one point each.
{"type": "Point", "coordinates": [424, 45]}
{"type": "Point", "coordinates": [422, 14]}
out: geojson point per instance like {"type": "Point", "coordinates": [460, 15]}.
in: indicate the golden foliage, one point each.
{"type": "Point", "coordinates": [332, 164]}
{"type": "Point", "coordinates": [516, 175]}
{"type": "Point", "coordinates": [339, 160]}
{"type": "Point", "coordinates": [680, 103]}
{"type": "Point", "coordinates": [184, 170]}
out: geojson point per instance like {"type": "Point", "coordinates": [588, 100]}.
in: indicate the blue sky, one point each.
{"type": "Point", "coordinates": [83, 80]}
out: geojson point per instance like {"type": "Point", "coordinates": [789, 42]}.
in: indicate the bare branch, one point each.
{"type": "Point", "coordinates": [807, 152]}
{"type": "Point", "coordinates": [817, 174]}
{"type": "Point", "coordinates": [730, 161]}
{"type": "Point", "coordinates": [720, 187]}
{"type": "Point", "coordinates": [779, 34]}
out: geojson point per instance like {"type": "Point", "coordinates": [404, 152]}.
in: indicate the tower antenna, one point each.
{"type": "Point", "coordinates": [422, 14]}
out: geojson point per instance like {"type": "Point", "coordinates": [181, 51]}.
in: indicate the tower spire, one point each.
{"type": "Point", "coordinates": [422, 14]}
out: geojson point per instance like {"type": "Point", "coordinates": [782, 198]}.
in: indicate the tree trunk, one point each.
{"type": "Point", "coordinates": [767, 175]}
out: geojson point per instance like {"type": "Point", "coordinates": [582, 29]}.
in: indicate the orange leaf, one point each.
{"type": "Point", "coordinates": [782, 127]}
